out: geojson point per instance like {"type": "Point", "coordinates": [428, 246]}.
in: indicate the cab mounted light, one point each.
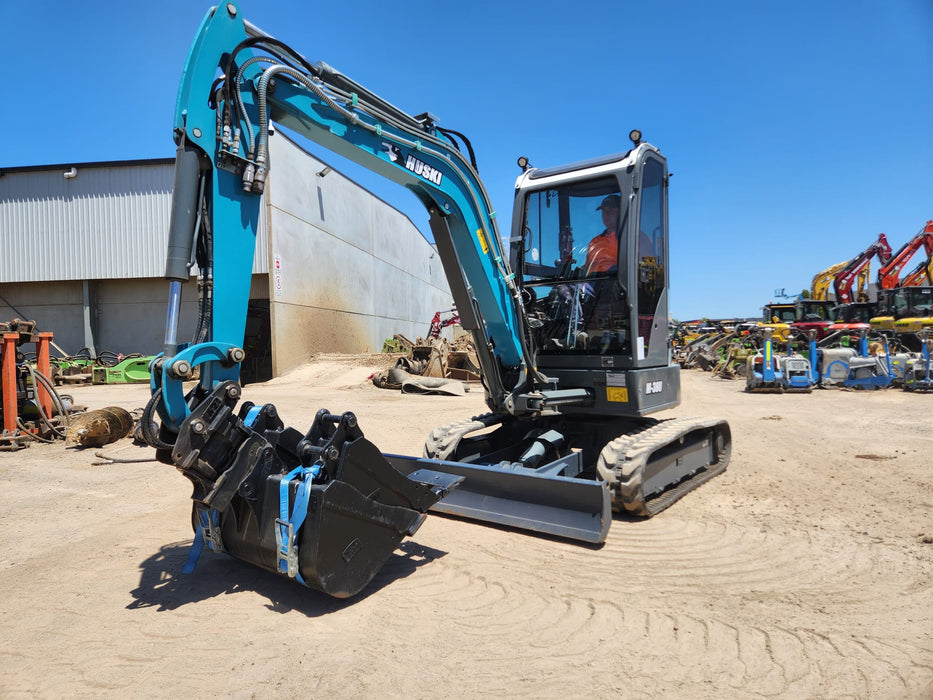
{"type": "Point", "coordinates": [635, 136]}
{"type": "Point", "coordinates": [523, 163]}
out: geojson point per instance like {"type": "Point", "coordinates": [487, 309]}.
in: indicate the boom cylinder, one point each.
{"type": "Point", "coordinates": [181, 235]}
{"type": "Point", "coordinates": [184, 215]}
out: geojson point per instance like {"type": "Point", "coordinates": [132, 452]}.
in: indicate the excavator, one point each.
{"type": "Point", "coordinates": [846, 274]}
{"type": "Point", "coordinates": [823, 281]}
{"type": "Point", "coordinates": [921, 275]}
{"type": "Point", "coordinates": [856, 270]}
{"type": "Point", "coordinates": [572, 359]}
{"type": "Point", "coordinates": [889, 272]}
{"type": "Point", "coordinates": [898, 300]}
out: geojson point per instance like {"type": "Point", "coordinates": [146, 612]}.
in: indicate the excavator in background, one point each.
{"type": "Point", "coordinates": [853, 317]}
{"type": "Point", "coordinates": [823, 281]}
{"type": "Point", "coordinates": [574, 357]}
{"type": "Point", "coordinates": [902, 313]}
{"type": "Point", "coordinates": [841, 277]}
{"type": "Point", "coordinates": [921, 275]}
{"type": "Point", "coordinates": [913, 309]}
{"type": "Point", "coordinates": [853, 308]}
{"type": "Point", "coordinates": [889, 272]}
{"type": "Point", "coordinates": [440, 321]}
{"type": "Point", "coordinates": [796, 320]}
{"type": "Point", "coordinates": [896, 300]}
{"type": "Point", "coordinates": [857, 270]}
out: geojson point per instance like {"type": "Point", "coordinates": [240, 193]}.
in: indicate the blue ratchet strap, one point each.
{"type": "Point", "coordinates": [287, 526]}
{"type": "Point", "coordinates": [251, 416]}
{"type": "Point", "coordinates": [207, 530]}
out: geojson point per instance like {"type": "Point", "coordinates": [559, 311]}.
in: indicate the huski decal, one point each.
{"type": "Point", "coordinates": [424, 170]}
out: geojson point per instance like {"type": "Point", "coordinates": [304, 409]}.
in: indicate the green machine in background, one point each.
{"type": "Point", "coordinates": [130, 370]}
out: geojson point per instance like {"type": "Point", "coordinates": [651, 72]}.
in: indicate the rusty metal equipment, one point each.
{"type": "Point", "coordinates": [29, 401]}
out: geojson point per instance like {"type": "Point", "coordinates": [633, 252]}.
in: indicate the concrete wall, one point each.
{"type": "Point", "coordinates": [127, 315]}
{"type": "Point", "coordinates": [347, 270]}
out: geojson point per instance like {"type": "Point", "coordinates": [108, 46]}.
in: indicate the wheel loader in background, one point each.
{"type": "Point", "coordinates": [573, 357]}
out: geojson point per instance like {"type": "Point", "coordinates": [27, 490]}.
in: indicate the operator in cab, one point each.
{"type": "Point", "coordinates": [602, 254]}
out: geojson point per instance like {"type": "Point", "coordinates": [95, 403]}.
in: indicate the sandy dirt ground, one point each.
{"type": "Point", "coordinates": [804, 571]}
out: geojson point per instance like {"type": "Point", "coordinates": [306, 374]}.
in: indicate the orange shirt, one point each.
{"type": "Point", "coordinates": [602, 254]}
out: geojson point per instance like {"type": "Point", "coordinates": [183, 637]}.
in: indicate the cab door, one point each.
{"type": "Point", "coordinates": [647, 272]}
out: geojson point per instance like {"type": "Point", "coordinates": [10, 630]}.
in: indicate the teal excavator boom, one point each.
{"type": "Point", "coordinates": [573, 355]}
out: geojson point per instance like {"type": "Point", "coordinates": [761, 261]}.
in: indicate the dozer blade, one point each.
{"type": "Point", "coordinates": [515, 496]}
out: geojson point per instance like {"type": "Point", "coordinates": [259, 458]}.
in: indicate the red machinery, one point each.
{"type": "Point", "coordinates": [857, 268]}
{"type": "Point", "coordinates": [438, 323]}
{"type": "Point", "coordinates": [888, 274]}
{"type": "Point", "coordinates": [920, 276]}
{"type": "Point", "coordinates": [13, 388]}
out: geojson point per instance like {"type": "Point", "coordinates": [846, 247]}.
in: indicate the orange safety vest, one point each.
{"type": "Point", "coordinates": [602, 254]}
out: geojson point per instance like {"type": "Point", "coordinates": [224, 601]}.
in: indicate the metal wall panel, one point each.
{"type": "Point", "coordinates": [107, 222]}
{"type": "Point", "coordinates": [350, 270]}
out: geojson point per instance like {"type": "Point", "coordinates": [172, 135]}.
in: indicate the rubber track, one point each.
{"type": "Point", "coordinates": [443, 440]}
{"type": "Point", "coordinates": [622, 463]}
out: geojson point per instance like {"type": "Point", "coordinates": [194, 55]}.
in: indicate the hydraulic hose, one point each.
{"type": "Point", "coordinates": [26, 431]}
{"type": "Point", "coordinates": [145, 423]}
{"type": "Point", "coordinates": [39, 378]}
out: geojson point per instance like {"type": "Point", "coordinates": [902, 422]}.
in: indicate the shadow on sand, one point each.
{"type": "Point", "coordinates": [163, 586]}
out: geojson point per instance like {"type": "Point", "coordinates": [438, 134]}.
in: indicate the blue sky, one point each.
{"type": "Point", "coordinates": [796, 131]}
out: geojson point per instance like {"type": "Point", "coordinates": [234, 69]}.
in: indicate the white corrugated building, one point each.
{"type": "Point", "coordinates": [82, 252]}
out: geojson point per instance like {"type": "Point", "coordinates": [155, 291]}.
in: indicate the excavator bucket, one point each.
{"type": "Point", "coordinates": [324, 508]}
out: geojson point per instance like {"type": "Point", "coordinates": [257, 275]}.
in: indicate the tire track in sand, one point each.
{"type": "Point", "coordinates": [637, 615]}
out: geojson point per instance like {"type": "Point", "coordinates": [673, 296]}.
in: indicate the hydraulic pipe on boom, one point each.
{"type": "Point", "coordinates": [572, 358]}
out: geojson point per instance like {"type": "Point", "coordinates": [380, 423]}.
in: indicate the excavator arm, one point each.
{"type": "Point", "coordinates": [221, 128]}
{"type": "Point", "coordinates": [822, 281]}
{"type": "Point", "coordinates": [324, 506]}
{"type": "Point", "coordinates": [889, 273]}
{"type": "Point", "coordinates": [857, 269]}
{"type": "Point", "coordinates": [921, 275]}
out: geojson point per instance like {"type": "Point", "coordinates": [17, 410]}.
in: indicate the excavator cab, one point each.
{"type": "Point", "coordinates": [589, 252]}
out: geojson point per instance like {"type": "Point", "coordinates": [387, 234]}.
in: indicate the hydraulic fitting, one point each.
{"type": "Point", "coordinates": [249, 174]}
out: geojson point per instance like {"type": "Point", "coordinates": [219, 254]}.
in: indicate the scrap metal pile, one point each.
{"type": "Point", "coordinates": [430, 366]}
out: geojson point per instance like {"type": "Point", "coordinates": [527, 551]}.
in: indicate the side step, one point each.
{"type": "Point", "coordinates": [516, 496]}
